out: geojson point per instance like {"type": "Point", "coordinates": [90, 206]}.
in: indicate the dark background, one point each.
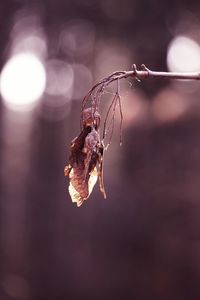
{"type": "Point", "coordinates": [143, 241]}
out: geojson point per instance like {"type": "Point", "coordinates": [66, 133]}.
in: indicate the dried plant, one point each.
{"type": "Point", "coordinates": [87, 150]}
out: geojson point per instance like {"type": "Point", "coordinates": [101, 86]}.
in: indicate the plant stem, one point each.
{"type": "Point", "coordinates": [139, 75]}
{"type": "Point", "coordinates": [146, 73]}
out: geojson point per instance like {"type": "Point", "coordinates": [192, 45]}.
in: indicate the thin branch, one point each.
{"type": "Point", "coordinates": [113, 102]}
{"type": "Point", "coordinates": [93, 97]}
{"type": "Point", "coordinates": [144, 73]}
{"type": "Point", "coordinates": [121, 113]}
{"type": "Point", "coordinates": [147, 73]}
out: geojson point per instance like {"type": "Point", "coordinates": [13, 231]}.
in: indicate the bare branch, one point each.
{"type": "Point", "coordinates": [139, 75]}
{"type": "Point", "coordinates": [146, 73]}
{"type": "Point", "coordinates": [93, 97]}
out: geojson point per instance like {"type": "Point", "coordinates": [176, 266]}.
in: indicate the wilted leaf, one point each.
{"type": "Point", "coordinates": [86, 153]}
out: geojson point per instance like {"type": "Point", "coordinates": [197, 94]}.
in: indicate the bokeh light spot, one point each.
{"type": "Point", "coordinates": [28, 35]}
{"type": "Point", "coordinates": [60, 78]}
{"type": "Point", "coordinates": [183, 55]}
{"type": "Point", "coordinates": [32, 43]}
{"type": "Point", "coordinates": [82, 81]}
{"type": "Point", "coordinates": [77, 39]}
{"type": "Point", "coordinates": [168, 106]}
{"type": "Point", "coordinates": [111, 56]}
{"type": "Point", "coordinates": [22, 81]}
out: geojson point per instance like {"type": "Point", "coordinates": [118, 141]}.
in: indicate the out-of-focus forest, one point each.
{"type": "Point", "coordinates": [143, 241]}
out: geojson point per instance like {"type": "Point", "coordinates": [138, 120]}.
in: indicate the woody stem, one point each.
{"type": "Point", "coordinates": [146, 73]}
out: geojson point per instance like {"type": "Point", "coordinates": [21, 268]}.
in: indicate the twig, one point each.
{"type": "Point", "coordinates": [93, 97]}
{"type": "Point", "coordinates": [147, 73]}
{"type": "Point", "coordinates": [144, 73]}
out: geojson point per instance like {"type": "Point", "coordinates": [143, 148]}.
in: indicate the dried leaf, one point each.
{"type": "Point", "coordinates": [80, 190]}
{"type": "Point", "coordinates": [86, 154]}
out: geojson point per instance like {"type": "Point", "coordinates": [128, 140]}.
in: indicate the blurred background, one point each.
{"type": "Point", "coordinates": [143, 241]}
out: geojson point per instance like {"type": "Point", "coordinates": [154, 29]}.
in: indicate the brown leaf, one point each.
{"type": "Point", "coordinates": [86, 153]}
